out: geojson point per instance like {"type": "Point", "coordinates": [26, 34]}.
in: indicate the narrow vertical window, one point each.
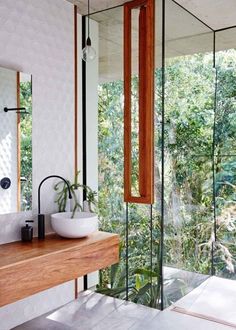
{"type": "Point", "coordinates": [139, 101]}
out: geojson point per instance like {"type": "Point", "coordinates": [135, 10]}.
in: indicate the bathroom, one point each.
{"type": "Point", "coordinates": [69, 114]}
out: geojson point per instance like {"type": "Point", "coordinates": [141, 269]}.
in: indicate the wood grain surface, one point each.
{"type": "Point", "coordinates": [28, 268]}
{"type": "Point", "coordinates": [146, 101]}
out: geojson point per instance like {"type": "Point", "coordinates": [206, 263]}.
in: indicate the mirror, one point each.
{"type": "Point", "coordinates": [15, 141]}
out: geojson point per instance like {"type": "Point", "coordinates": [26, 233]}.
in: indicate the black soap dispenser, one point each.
{"type": "Point", "coordinates": [27, 232]}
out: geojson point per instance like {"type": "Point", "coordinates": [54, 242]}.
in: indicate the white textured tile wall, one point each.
{"type": "Point", "coordinates": [8, 140]}
{"type": "Point", "coordinates": [10, 226]}
{"type": "Point", "coordinates": [37, 37]}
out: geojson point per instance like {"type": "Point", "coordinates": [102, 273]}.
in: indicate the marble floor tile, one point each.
{"type": "Point", "coordinates": [136, 311]}
{"type": "Point", "coordinates": [93, 311]}
{"type": "Point", "coordinates": [88, 314]}
{"type": "Point", "coordinates": [169, 320]}
{"type": "Point", "coordinates": [115, 323]}
{"type": "Point", "coordinates": [42, 324]}
{"type": "Point", "coordinates": [216, 298]}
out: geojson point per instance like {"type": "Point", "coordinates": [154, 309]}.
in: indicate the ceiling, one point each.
{"type": "Point", "coordinates": [96, 5]}
{"type": "Point", "coordinates": [184, 33]}
{"type": "Point", "coordinates": [216, 13]}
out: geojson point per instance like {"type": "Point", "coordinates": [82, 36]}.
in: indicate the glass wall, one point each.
{"type": "Point", "coordinates": [136, 277]}
{"type": "Point", "coordinates": [110, 143]}
{"type": "Point", "coordinates": [169, 248]}
{"type": "Point", "coordinates": [188, 141]}
{"type": "Point", "coordinates": [225, 155]}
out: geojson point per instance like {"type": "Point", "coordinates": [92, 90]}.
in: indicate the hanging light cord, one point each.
{"type": "Point", "coordinates": [88, 19]}
{"type": "Point", "coordinates": [88, 52]}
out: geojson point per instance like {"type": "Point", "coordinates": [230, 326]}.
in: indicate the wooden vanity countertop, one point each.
{"type": "Point", "coordinates": [17, 252]}
{"type": "Point", "coordinates": [30, 267]}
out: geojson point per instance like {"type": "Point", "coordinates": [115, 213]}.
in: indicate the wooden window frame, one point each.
{"type": "Point", "coordinates": [18, 134]}
{"type": "Point", "coordinates": [146, 101]}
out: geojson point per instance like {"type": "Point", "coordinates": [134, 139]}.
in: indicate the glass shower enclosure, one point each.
{"type": "Point", "coordinates": [170, 247]}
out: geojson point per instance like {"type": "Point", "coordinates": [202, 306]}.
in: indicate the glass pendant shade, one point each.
{"type": "Point", "coordinates": [88, 52]}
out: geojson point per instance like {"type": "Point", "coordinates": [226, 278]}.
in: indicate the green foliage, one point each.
{"type": "Point", "coordinates": [62, 195]}
{"type": "Point", "coordinates": [26, 145]}
{"type": "Point", "coordinates": [198, 138]}
{"type": "Point", "coordinates": [111, 206]}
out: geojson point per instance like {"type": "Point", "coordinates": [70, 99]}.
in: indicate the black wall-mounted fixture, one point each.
{"type": "Point", "coordinates": [5, 183]}
{"type": "Point", "coordinates": [41, 217]}
{"type": "Point", "coordinates": [17, 110]}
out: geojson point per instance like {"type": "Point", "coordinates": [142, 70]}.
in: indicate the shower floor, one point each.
{"type": "Point", "coordinates": [214, 299]}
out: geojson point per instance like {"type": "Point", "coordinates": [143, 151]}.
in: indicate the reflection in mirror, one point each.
{"type": "Point", "coordinates": [15, 141]}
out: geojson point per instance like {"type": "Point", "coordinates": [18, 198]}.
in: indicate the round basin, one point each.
{"type": "Point", "coordinates": [83, 224]}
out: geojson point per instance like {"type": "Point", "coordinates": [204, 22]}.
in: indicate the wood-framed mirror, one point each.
{"type": "Point", "coordinates": [15, 141]}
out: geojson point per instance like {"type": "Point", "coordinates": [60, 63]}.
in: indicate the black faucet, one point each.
{"type": "Point", "coordinates": [41, 217]}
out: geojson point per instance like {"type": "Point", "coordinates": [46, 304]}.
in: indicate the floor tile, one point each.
{"type": "Point", "coordinates": [169, 320]}
{"type": "Point", "coordinates": [215, 298]}
{"type": "Point", "coordinates": [87, 314]}
{"type": "Point", "coordinates": [40, 323]}
{"type": "Point", "coordinates": [135, 310]}
{"type": "Point", "coordinates": [93, 311]}
{"type": "Point", "coordinates": [116, 323]}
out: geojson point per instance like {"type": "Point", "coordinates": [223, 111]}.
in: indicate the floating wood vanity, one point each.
{"type": "Point", "coordinates": [28, 268]}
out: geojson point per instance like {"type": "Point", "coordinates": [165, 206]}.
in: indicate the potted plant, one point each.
{"type": "Point", "coordinates": [62, 195]}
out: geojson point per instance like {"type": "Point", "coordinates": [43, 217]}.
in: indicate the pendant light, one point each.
{"type": "Point", "coordinates": [88, 52]}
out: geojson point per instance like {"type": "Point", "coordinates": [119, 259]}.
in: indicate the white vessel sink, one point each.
{"type": "Point", "coordinates": [83, 224]}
